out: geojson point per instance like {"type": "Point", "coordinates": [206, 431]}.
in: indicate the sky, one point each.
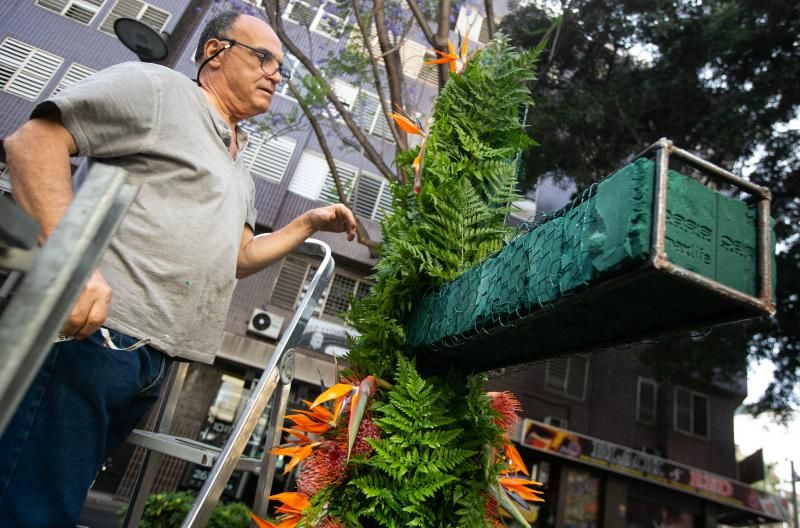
{"type": "Point", "coordinates": [779, 443]}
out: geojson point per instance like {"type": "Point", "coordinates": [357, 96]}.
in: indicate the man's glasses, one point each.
{"type": "Point", "coordinates": [269, 65]}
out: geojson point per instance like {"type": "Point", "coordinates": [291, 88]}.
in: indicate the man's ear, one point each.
{"type": "Point", "coordinates": [211, 47]}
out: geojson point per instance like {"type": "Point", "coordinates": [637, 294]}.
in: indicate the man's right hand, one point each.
{"type": "Point", "coordinates": [90, 311]}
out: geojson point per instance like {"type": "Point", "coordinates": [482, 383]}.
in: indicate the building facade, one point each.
{"type": "Point", "coordinates": [45, 45]}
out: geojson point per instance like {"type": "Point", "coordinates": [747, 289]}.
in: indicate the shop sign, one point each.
{"type": "Point", "coordinates": [638, 464]}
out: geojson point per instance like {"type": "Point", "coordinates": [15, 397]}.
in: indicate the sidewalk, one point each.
{"type": "Point", "coordinates": [101, 511]}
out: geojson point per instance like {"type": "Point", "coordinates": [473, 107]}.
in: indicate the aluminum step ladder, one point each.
{"type": "Point", "coordinates": [43, 283]}
{"type": "Point", "coordinates": [279, 370]}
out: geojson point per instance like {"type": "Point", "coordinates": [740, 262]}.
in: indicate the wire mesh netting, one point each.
{"type": "Point", "coordinates": [580, 278]}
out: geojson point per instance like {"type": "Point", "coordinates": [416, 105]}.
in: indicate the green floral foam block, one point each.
{"type": "Point", "coordinates": [583, 278]}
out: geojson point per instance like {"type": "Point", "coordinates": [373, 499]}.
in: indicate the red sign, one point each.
{"type": "Point", "coordinates": [637, 464]}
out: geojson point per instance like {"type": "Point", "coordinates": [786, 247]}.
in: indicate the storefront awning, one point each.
{"type": "Point", "coordinates": [746, 504]}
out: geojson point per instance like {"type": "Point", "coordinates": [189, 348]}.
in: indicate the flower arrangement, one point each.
{"type": "Point", "coordinates": [388, 445]}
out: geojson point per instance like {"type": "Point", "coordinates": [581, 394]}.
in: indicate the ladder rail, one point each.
{"type": "Point", "coordinates": [168, 402]}
{"type": "Point", "coordinates": [44, 297]}
{"type": "Point", "coordinates": [212, 488]}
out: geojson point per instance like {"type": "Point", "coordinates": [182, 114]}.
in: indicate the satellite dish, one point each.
{"type": "Point", "coordinates": [141, 39]}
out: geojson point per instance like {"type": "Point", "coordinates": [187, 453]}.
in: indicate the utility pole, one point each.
{"type": "Point", "coordinates": [794, 495]}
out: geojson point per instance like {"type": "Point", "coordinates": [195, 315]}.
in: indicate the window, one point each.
{"type": "Point", "coordinates": [25, 70]}
{"type": "Point", "coordinates": [5, 181]}
{"type": "Point", "coordinates": [75, 73]}
{"type": "Point", "coordinates": [320, 16]}
{"type": "Point", "coordinates": [368, 115]}
{"type": "Point", "coordinates": [298, 72]}
{"type": "Point", "coordinates": [691, 412]}
{"type": "Point", "coordinates": [368, 194]}
{"type": "Point", "coordinates": [295, 277]}
{"type": "Point", "coordinates": [568, 376]}
{"type": "Point", "coordinates": [646, 392]}
{"type": "Point", "coordinates": [268, 159]}
{"type": "Point", "coordinates": [152, 16]}
{"type": "Point", "coordinates": [82, 11]}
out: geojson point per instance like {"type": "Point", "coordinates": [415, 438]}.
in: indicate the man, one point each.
{"type": "Point", "coordinates": [163, 289]}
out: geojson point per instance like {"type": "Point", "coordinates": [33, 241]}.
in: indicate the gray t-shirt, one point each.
{"type": "Point", "coordinates": [172, 264]}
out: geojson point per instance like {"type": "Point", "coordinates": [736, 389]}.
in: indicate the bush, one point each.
{"type": "Point", "coordinates": [168, 510]}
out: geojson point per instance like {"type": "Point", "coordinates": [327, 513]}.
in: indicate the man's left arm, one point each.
{"type": "Point", "coordinates": [258, 252]}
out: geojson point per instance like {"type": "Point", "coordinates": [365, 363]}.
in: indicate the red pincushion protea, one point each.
{"type": "Point", "coordinates": [508, 406]}
{"type": "Point", "coordinates": [492, 512]}
{"type": "Point", "coordinates": [366, 429]}
{"type": "Point", "coordinates": [325, 466]}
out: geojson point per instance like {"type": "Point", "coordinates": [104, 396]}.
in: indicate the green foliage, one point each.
{"type": "Point", "coordinates": [434, 461]}
{"type": "Point", "coordinates": [167, 510]}
{"type": "Point", "coordinates": [427, 468]}
{"type": "Point", "coordinates": [468, 187]}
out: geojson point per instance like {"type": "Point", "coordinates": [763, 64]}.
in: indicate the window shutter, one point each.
{"type": "Point", "coordinates": [150, 15]}
{"type": "Point", "coordinates": [556, 376]}
{"type": "Point", "coordinates": [384, 202]}
{"type": "Point", "coordinates": [576, 376]}
{"type": "Point", "coordinates": [366, 194]}
{"type": "Point", "coordinates": [346, 92]}
{"type": "Point", "coordinates": [268, 159]}
{"type": "Point", "coordinates": [412, 54]}
{"type": "Point", "coordinates": [25, 70]}
{"type": "Point", "coordinates": [347, 174]}
{"type": "Point", "coordinates": [82, 11]}
{"type": "Point", "coordinates": [364, 110]}
{"type": "Point", "coordinates": [76, 72]}
{"type": "Point", "coordinates": [155, 18]}
{"type": "Point", "coordinates": [429, 73]}
{"type": "Point", "coordinates": [309, 176]}
{"type": "Point", "coordinates": [289, 285]}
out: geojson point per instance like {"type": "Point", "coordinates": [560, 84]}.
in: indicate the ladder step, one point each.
{"type": "Point", "coordinates": [187, 449]}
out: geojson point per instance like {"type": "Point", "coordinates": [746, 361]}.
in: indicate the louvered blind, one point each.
{"type": "Point", "coordinates": [556, 376]}
{"type": "Point", "coordinates": [75, 73]}
{"type": "Point", "coordinates": [289, 285]}
{"type": "Point", "coordinates": [366, 195]}
{"type": "Point", "coordinates": [152, 16]}
{"type": "Point", "coordinates": [82, 11]}
{"type": "Point", "coordinates": [309, 176]}
{"type": "Point", "coordinates": [24, 69]}
{"type": "Point", "coordinates": [268, 159]}
{"type": "Point", "coordinates": [347, 174]}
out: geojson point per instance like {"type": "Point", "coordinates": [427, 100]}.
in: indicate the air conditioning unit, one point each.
{"type": "Point", "coordinates": [556, 422]}
{"type": "Point", "coordinates": [265, 324]}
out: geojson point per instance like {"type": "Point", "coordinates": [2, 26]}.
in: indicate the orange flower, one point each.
{"type": "Point", "coordinates": [291, 511]}
{"type": "Point", "coordinates": [298, 454]}
{"type": "Point", "coordinates": [519, 486]}
{"type": "Point", "coordinates": [456, 60]}
{"type": "Point", "coordinates": [413, 127]}
{"type": "Point", "coordinates": [515, 463]}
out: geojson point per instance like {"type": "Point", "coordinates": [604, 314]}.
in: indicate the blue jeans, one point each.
{"type": "Point", "coordinates": [83, 403]}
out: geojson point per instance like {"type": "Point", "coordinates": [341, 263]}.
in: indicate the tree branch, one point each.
{"type": "Point", "coordinates": [489, 8]}
{"type": "Point", "coordinates": [361, 232]}
{"type": "Point", "coordinates": [394, 71]}
{"type": "Point", "coordinates": [272, 8]}
{"type": "Point", "coordinates": [399, 136]}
